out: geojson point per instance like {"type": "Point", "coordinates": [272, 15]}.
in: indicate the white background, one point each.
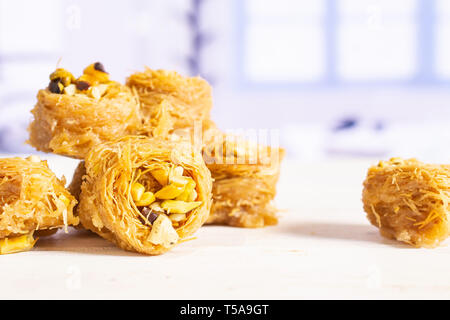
{"type": "Point", "coordinates": [268, 62]}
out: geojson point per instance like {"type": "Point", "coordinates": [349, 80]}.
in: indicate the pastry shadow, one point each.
{"type": "Point", "coordinates": [82, 242]}
{"type": "Point", "coordinates": [341, 231]}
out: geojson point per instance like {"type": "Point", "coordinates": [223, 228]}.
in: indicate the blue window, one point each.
{"type": "Point", "coordinates": [297, 43]}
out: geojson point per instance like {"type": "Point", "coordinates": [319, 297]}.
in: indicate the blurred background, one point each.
{"type": "Point", "coordinates": [335, 78]}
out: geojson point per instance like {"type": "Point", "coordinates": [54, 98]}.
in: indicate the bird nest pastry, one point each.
{"type": "Point", "coordinates": [144, 194]}
{"type": "Point", "coordinates": [74, 114]}
{"type": "Point", "coordinates": [32, 199]}
{"type": "Point", "coordinates": [245, 176]}
{"type": "Point", "coordinates": [170, 101]}
{"type": "Point", "coordinates": [409, 201]}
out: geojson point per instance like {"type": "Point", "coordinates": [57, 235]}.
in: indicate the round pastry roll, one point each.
{"type": "Point", "coordinates": [72, 115]}
{"type": "Point", "coordinates": [32, 199]}
{"type": "Point", "coordinates": [170, 101]}
{"type": "Point", "coordinates": [409, 201]}
{"type": "Point", "coordinates": [245, 176]}
{"type": "Point", "coordinates": [144, 194]}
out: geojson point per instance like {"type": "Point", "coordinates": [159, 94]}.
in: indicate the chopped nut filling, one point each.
{"type": "Point", "coordinates": [63, 76]}
{"type": "Point", "coordinates": [70, 90]}
{"type": "Point", "coordinates": [152, 217]}
{"type": "Point", "coordinates": [93, 82]}
{"type": "Point", "coordinates": [56, 86]}
{"type": "Point", "coordinates": [163, 232]}
{"type": "Point", "coordinates": [164, 197]}
{"type": "Point", "coordinates": [174, 206]}
{"type": "Point", "coordinates": [99, 67]}
{"type": "Point", "coordinates": [82, 85]}
{"type": "Point", "coordinates": [149, 214]}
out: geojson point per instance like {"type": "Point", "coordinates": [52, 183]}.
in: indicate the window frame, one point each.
{"type": "Point", "coordinates": [425, 75]}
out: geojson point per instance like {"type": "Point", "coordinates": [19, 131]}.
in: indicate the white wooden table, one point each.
{"type": "Point", "coordinates": [323, 247]}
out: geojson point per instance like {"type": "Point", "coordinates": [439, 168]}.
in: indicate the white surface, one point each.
{"type": "Point", "coordinates": [323, 248]}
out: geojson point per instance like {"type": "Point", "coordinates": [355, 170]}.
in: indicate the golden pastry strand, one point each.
{"type": "Point", "coordinates": [170, 101]}
{"type": "Point", "coordinates": [31, 199]}
{"type": "Point", "coordinates": [74, 114]}
{"type": "Point", "coordinates": [144, 194]}
{"type": "Point", "coordinates": [245, 178]}
{"type": "Point", "coordinates": [409, 201]}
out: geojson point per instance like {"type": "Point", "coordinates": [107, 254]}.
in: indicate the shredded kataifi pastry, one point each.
{"type": "Point", "coordinates": [32, 199]}
{"type": "Point", "coordinates": [72, 115]}
{"type": "Point", "coordinates": [409, 201]}
{"type": "Point", "coordinates": [170, 101]}
{"type": "Point", "coordinates": [245, 176]}
{"type": "Point", "coordinates": [144, 194]}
